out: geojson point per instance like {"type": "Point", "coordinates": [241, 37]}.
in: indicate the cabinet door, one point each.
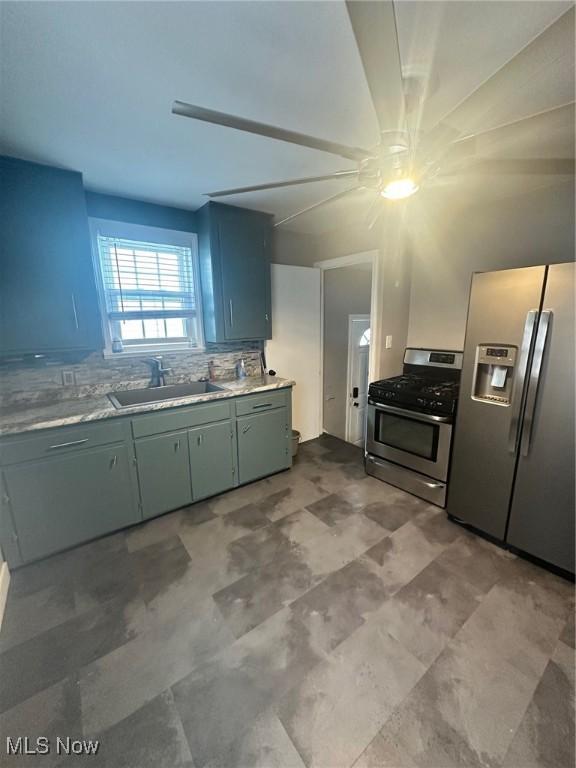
{"type": "Point", "coordinates": [263, 444]}
{"type": "Point", "coordinates": [244, 252]}
{"type": "Point", "coordinates": [164, 473]}
{"type": "Point", "coordinates": [212, 459]}
{"type": "Point", "coordinates": [57, 503]}
{"type": "Point", "coordinates": [48, 292]}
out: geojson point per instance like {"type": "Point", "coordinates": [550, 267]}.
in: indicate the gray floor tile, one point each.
{"type": "Point", "coordinates": [428, 611]}
{"type": "Point", "coordinates": [463, 712]}
{"type": "Point", "coordinates": [263, 592]}
{"type": "Point", "coordinates": [157, 567]}
{"type": "Point", "coordinates": [390, 515]}
{"type": "Point", "coordinates": [31, 614]}
{"type": "Point", "coordinates": [264, 745]}
{"type": "Point", "coordinates": [567, 635]}
{"type": "Point", "coordinates": [398, 558]}
{"type": "Point", "coordinates": [336, 711]}
{"type": "Point", "coordinates": [51, 656]}
{"type": "Point", "coordinates": [151, 737]}
{"type": "Point", "coordinates": [338, 605]}
{"type": "Point", "coordinates": [384, 752]}
{"type": "Point", "coordinates": [331, 509]}
{"type": "Point", "coordinates": [53, 712]}
{"type": "Point", "coordinates": [122, 681]}
{"type": "Point", "coordinates": [221, 701]}
{"type": "Point", "coordinates": [476, 560]}
{"type": "Point", "coordinates": [545, 738]}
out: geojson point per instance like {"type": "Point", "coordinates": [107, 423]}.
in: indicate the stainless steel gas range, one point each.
{"type": "Point", "coordinates": [410, 420]}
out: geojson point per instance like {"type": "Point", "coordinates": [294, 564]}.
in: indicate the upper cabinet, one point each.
{"type": "Point", "coordinates": [234, 247]}
{"type": "Point", "coordinates": [48, 299]}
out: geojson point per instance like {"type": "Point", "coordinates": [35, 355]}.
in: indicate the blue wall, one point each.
{"type": "Point", "coordinates": [137, 212]}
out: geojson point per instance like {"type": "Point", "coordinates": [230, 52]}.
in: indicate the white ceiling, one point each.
{"type": "Point", "coordinates": [89, 85]}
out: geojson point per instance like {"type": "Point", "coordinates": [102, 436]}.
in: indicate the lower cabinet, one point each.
{"type": "Point", "coordinates": [212, 458]}
{"type": "Point", "coordinates": [57, 503]}
{"type": "Point", "coordinates": [163, 472]}
{"type": "Point", "coordinates": [93, 486]}
{"type": "Point", "coordinates": [263, 444]}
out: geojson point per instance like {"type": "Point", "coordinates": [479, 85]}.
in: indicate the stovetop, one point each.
{"type": "Point", "coordinates": [421, 388]}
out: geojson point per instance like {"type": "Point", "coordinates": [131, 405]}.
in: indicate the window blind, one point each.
{"type": "Point", "coordinates": [146, 280]}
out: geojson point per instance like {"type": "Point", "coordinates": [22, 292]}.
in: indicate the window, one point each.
{"type": "Point", "coordinates": [365, 339]}
{"type": "Point", "coordinates": [148, 287]}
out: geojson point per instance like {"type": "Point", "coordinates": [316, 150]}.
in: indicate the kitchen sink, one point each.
{"type": "Point", "coordinates": [130, 397]}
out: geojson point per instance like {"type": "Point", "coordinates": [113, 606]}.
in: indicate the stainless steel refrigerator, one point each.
{"type": "Point", "coordinates": [513, 462]}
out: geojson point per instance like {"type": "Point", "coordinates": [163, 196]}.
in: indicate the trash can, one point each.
{"type": "Point", "coordinates": [295, 441]}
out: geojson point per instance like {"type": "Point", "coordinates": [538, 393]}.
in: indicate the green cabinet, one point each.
{"type": "Point", "coordinates": [48, 299]}
{"type": "Point", "coordinates": [234, 248]}
{"type": "Point", "coordinates": [263, 444]}
{"type": "Point", "coordinates": [163, 473]}
{"type": "Point", "coordinates": [61, 487]}
{"type": "Point", "coordinates": [59, 502]}
{"type": "Point", "coordinates": [212, 458]}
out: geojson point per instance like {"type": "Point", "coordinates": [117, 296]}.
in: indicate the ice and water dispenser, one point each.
{"type": "Point", "coordinates": [493, 373]}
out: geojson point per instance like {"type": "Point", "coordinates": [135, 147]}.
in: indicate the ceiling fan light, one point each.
{"type": "Point", "coordinates": [398, 189]}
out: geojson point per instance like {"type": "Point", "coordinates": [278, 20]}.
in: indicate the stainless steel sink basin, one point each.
{"type": "Point", "coordinates": [130, 397]}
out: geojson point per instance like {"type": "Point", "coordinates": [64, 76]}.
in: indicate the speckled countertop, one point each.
{"type": "Point", "coordinates": [77, 411]}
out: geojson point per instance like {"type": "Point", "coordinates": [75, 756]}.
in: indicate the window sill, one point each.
{"type": "Point", "coordinates": [144, 351]}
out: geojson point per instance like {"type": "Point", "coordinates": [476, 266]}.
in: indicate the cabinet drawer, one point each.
{"type": "Point", "coordinates": [61, 441]}
{"type": "Point", "coordinates": [180, 418]}
{"type": "Point", "coordinates": [264, 402]}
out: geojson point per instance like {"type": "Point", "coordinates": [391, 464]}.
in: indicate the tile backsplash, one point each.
{"type": "Point", "coordinates": [40, 381]}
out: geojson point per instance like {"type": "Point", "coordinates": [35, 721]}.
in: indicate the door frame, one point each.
{"type": "Point", "coordinates": [376, 311]}
{"type": "Point", "coordinates": [351, 319]}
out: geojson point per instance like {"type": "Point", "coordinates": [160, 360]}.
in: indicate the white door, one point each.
{"type": "Point", "coordinates": [294, 350]}
{"type": "Point", "coordinates": [358, 365]}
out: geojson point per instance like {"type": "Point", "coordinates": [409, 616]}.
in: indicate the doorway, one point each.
{"type": "Point", "coordinates": [357, 386]}
{"type": "Point", "coordinates": [348, 300]}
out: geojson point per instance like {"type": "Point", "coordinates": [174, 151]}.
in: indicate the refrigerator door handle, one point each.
{"type": "Point", "coordinates": [529, 327]}
{"type": "Point", "coordinates": [535, 372]}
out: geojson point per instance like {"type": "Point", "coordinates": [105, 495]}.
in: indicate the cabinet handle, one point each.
{"type": "Point", "coordinates": [231, 312]}
{"type": "Point", "coordinates": [262, 405]}
{"type": "Point", "coordinates": [74, 311]}
{"type": "Point", "coordinates": [199, 439]}
{"type": "Point", "coordinates": [67, 445]}
{"type": "Point", "coordinates": [177, 445]}
{"type": "Point", "coordinates": [114, 462]}
{"type": "Point", "coordinates": [266, 316]}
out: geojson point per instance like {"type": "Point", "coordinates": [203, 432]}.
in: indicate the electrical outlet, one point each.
{"type": "Point", "coordinates": [68, 378]}
{"type": "Point", "coordinates": [388, 342]}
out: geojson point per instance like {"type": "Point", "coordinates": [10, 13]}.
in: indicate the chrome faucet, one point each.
{"type": "Point", "coordinates": [158, 372]}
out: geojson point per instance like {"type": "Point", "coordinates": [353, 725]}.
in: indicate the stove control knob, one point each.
{"type": "Point", "coordinates": [421, 401]}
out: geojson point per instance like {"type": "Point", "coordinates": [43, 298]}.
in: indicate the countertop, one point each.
{"type": "Point", "coordinates": [81, 410]}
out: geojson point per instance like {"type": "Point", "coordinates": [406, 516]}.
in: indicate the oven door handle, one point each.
{"type": "Point", "coordinates": [426, 417]}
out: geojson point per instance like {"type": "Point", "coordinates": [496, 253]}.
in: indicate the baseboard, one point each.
{"type": "Point", "coordinates": [4, 582]}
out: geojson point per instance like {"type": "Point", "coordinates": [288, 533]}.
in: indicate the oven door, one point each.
{"type": "Point", "coordinates": [419, 441]}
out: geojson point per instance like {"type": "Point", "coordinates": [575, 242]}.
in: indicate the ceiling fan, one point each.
{"type": "Point", "coordinates": [406, 158]}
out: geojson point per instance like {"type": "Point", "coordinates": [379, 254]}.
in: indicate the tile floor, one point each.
{"type": "Point", "coordinates": [315, 618]}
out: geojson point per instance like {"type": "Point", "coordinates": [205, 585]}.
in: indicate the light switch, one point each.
{"type": "Point", "coordinates": [388, 342]}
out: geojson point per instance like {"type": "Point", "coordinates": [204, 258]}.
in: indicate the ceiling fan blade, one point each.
{"type": "Point", "coordinates": [555, 166]}
{"type": "Point", "coordinates": [270, 131]}
{"type": "Point", "coordinates": [555, 43]}
{"type": "Point", "coordinates": [280, 184]}
{"type": "Point", "coordinates": [326, 200]}
{"type": "Point", "coordinates": [533, 129]}
{"type": "Point", "coordinates": [563, 115]}
{"type": "Point", "coordinates": [374, 26]}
